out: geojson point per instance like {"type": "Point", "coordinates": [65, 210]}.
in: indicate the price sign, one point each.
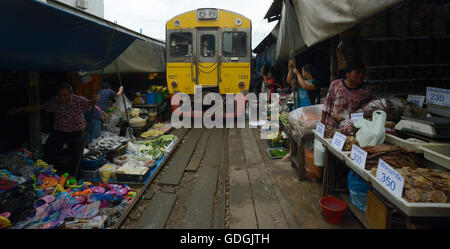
{"type": "Point", "coordinates": [438, 96]}
{"type": "Point", "coordinates": [390, 178]}
{"type": "Point", "coordinates": [357, 116]}
{"type": "Point", "coordinates": [359, 156]}
{"type": "Point", "coordinates": [416, 99]}
{"type": "Point", "coordinates": [338, 141]}
{"type": "Point", "coordinates": [320, 129]}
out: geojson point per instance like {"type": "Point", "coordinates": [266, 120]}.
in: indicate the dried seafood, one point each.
{"type": "Point", "coordinates": [349, 142]}
{"type": "Point", "coordinates": [395, 156]}
{"type": "Point", "coordinates": [329, 132]}
{"type": "Point", "coordinates": [424, 185]}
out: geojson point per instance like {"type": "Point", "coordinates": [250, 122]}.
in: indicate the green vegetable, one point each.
{"type": "Point", "coordinates": [277, 152]}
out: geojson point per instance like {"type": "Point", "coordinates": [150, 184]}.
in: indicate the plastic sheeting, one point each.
{"type": "Point", "coordinates": [322, 19]}
{"type": "Point", "coordinates": [37, 36]}
{"type": "Point", "coordinates": [140, 57]}
{"type": "Point", "coordinates": [289, 37]}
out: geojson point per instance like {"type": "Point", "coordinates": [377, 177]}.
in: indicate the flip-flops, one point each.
{"type": "Point", "coordinates": [41, 207]}
{"type": "Point", "coordinates": [86, 211]}
{"type": "Point", "coordinates": [6, 184]}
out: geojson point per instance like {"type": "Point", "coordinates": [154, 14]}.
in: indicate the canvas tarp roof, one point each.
{"type": "Point", "coordinates": [40, 36]}
{"type": "Point", "coordinates": [290, 37]}
{"type": "Point", "coordinates": [322, 19]}
{"type": "Point", "coordinates": [140, 57]}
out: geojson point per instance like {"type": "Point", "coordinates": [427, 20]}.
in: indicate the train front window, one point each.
{"type": "Point", "coordinates": [180, 44]}
{"type": "Point", "coordinates": [234, 44]}
{"type": "Point", "coordinates": [208, 45]}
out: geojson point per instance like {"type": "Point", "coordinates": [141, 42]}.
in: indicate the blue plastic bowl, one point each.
{"type": "Point", "coordinates": [93, 163]}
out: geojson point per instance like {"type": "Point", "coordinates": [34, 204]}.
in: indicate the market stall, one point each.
{"type": "Point", "coordinates": [401, 44]}
{"type": "Point", "coordinates": [111, 181]}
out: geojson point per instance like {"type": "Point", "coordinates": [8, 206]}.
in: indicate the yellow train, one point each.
{"type": "Point", "coordinates": [210, 48]}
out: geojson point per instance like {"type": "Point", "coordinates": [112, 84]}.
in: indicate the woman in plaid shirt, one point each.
{"type": "Point", "coordinates": [69, 122]}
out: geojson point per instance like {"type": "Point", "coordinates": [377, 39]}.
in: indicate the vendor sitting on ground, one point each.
{"type": "Point", "coordinates": [69, 122]}
{"type": "Point", "coordinates": [308, 86]}
{"type": "Point", "coordinates": [346, 95]}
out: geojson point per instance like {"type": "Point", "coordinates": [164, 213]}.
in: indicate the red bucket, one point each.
{"type": "Point", "coordinates": [332, 209]}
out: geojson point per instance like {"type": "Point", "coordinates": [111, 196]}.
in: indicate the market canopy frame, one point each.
{"type": "Point", "coordinates": [40, 36]}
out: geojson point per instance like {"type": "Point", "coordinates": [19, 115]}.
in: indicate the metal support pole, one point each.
{"type": "Point", "coordinates": [35, 140]}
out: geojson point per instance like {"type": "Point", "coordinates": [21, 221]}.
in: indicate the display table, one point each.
{"type": "Point", "coordinates": [141, 189]}
{"type": "Point", "coordinates": [398, 212]}
{"type": "Point", "coordinates": [297, 147]}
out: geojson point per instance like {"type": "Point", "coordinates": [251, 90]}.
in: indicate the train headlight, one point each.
{"type": "Point", "coordinates": [241, 85]}
{"type": "Point", "coordinates": [174, 84]}
{"type": "Point", "coordinates": [207, 14]}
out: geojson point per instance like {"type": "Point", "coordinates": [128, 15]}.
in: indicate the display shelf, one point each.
{"type": "Point", "coordinates": [412, 209]}
{"type": "Point", "coordinates": [324, 141]}
{"type": "Point", "coordinates": [406, 80]}
{"type": "Point", "coordinates": [363, 173]}
{"type": "Point", "coordinates": [356, 211]}
{"type": "Point", "coordinates": [399, 94]}
{"type": "Point", "coordinates": [406, 66]}
{"type": "Point", "coordinates": [339, 154]}
{"type": "Point", "coordinates": [145, 105]}
{"type": "Point", "coordinates": [406, 38]}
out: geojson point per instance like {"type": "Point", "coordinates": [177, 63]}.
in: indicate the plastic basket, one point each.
{"type": "Point", "coordinates": [150, 98]}
{"type": "Point", "coordinates": [275, 157]}
{"type": "Point", "coordinates": [133, 178]}
{"type": "Point", "coordinates": [159, 98]}
{"type": "Point", "coordinates": [93, 163]}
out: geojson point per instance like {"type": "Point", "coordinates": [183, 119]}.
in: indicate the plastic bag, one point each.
{"type": "Point", "coordinates": [304, 119]}
{"type": "Point", "coordinates": [319, 153]}
{"type": "Point", "coordinates": [358, 190]}
{"type": "Point", "coordinates": [119, 106]}
{"type": "Point", "coordinates": [371, 133]}
{"type": "Point", "coordinates": [312, 172]}
{"type": "Point", "coordinates": [347, 127]}
{"type": "Point", "coordinates": [394, 108]}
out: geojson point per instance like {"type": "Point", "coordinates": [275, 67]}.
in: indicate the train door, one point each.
{"type": "Point", "coordinates": [236, 59]}
{"type": "Point", "coordinates": [180, 61]}
{"type": "Point", "coordinates": [207, 58]}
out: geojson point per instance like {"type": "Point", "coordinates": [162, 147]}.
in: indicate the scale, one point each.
{"type": "Point", "coordinates": [431, 127]}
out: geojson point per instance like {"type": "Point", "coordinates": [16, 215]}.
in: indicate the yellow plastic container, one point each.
{"type": "Point", "coordinates": [106, 172]}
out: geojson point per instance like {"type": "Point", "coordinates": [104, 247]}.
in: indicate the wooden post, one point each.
{"type": "Point", "coordinates": [333, 60]}
{"type": "Point", "coordinates": [35, 140]}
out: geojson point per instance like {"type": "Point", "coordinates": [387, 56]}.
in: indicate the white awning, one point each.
{"type": "Point", "coordinates": [322, 19]}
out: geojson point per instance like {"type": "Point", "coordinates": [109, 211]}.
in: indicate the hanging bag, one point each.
{"type": "Point", "coordinates": [103, 115]}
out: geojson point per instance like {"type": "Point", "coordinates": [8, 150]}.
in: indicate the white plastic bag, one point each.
{"type": "Point", "coordinates": [371, 133]}
{"type": "Point", "coordinates": [319, 153]}
{"type": "Point", "coordinates": [304, 119]}
{"type": "Point", "coordinates": [119, 106]}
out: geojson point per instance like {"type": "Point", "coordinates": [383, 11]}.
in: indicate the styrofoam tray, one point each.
{"type": "Point", "coordinates": [409, 146]}
{"type": "Point", "coordinates": [364, 174]}
{"type": "Point", "coordinates": [321, 139]}
{"type": "Point", "coordinates": [339, 154]}
{"type": "Point", "coordinates": [412, 209]}
{"type": "Point", "coordinates": [437, 153]}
